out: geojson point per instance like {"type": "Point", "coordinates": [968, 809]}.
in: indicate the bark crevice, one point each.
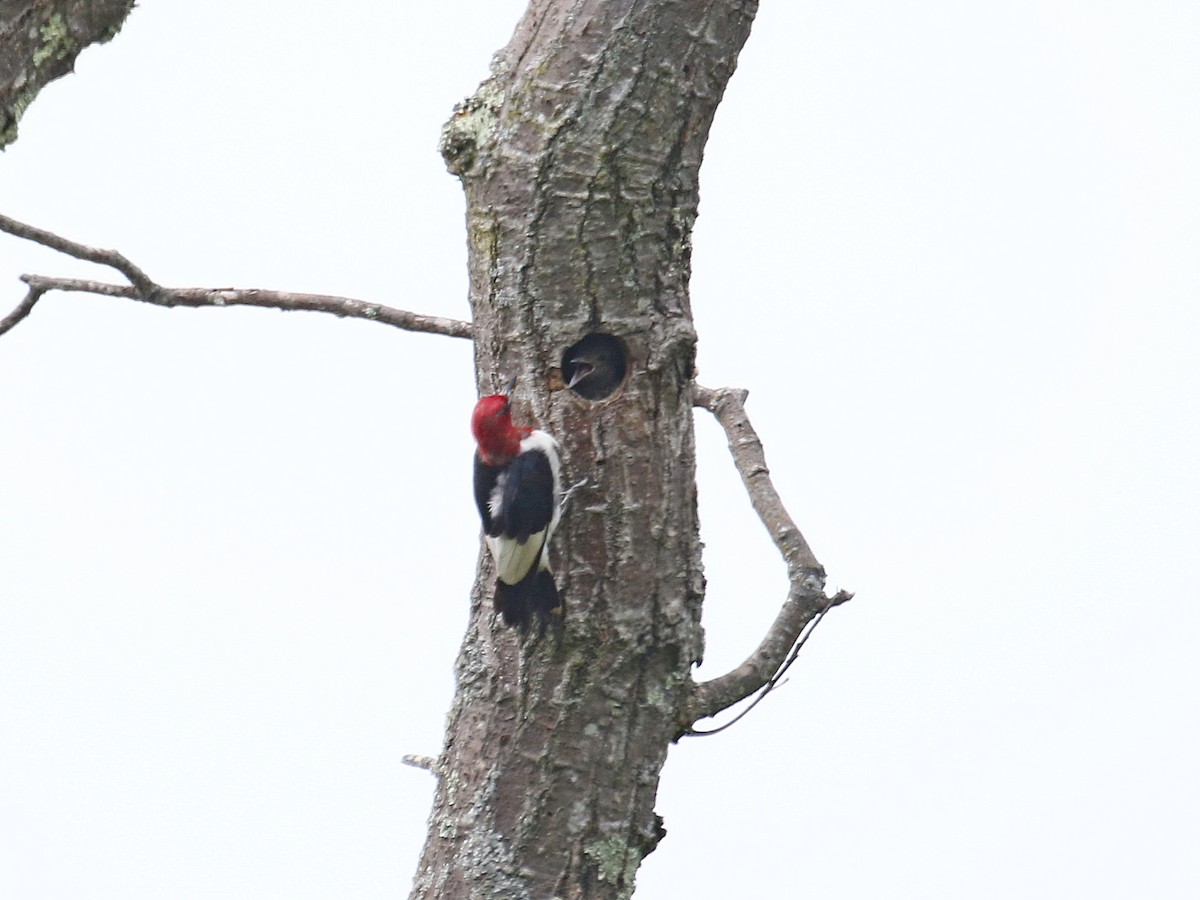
{"type": "Point", "coordinates": [579, 158]}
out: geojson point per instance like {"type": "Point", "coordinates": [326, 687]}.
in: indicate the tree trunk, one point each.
{"type": "Point", "coordinates": [579, 158]}
{"type": "Point", "coordinates": [39, 40]}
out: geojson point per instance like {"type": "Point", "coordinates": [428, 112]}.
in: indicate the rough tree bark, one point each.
{"type": "Point", "coordinates": [579, 157]}
{"type": "Point", "coordinates": [41, 39]}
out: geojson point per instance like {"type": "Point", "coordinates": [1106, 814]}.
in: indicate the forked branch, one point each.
{"type": "Point", "coordinates": [806, 598]}
{"type": "Point", "coordinates": [143, 289]}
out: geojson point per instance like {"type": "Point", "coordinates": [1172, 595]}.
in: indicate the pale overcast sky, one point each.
{"type": "Point", "coordinates": [953, 251]}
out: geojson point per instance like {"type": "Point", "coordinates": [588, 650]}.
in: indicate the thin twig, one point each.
{"type": "Point", "coordinates": [344, 307]}
{"type": "Point", "coordinates": [770, 685]}
{"type": "Point", "coordinates": [806, 601]}
{"type": "Point", "coordinates": [110, 258]}
{"type": "Point", "coordinates": [143, 289]}
{"type": "Point", "coordinates": [24, 308]}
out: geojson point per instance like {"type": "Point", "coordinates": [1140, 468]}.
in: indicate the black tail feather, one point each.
{"type": "Point", "coordinates": [534, 596]}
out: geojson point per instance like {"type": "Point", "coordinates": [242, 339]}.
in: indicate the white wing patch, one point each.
{"type": "Point", "coordinates": [496, 495]}
{"type": "Point", "coordinates": [514, 559]}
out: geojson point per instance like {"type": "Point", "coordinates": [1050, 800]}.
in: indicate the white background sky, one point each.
{"type": "Point", "coordinates": [951, 249]}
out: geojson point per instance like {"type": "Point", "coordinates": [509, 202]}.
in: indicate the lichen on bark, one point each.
{"type": "Point", "coordinates": [579, 158]}
{"type": "Point", "coordinates": [39, 41]}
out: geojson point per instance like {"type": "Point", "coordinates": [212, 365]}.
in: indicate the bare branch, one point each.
{"type": "Point", "coordinates": [806, 595]}
{"type": "Point", "coordinates": [24, 308]}
{"type": "Point", "coordinates": [143, 289]}
{"type": "Point", "coordinates": [110, 258]}
{"type": "Point", "coordinates": [774, 682]}
{"type": "Point", "coordinates": [728, 406]}
{"type": "Point", "coordinates": [343, 307]}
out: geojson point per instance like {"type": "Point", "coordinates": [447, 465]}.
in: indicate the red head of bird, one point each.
{"type": "Point", "coordinates": [498, 439]}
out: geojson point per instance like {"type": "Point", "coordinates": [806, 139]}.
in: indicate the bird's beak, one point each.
{"type": "Point", "coordinates": [508, 388]}
{"type": "Point", "coordinates": [582, 371]}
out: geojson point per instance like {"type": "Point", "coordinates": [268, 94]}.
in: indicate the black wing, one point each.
{"type": "Point", "coordinates": [485, 482]}
{"type": "Point", "coordinates": [527, 496]}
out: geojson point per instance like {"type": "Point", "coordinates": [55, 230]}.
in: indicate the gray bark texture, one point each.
{"type": "Point", "coordinates": [39, 40]}
{"type": "Point", "coordinates": [580, 157]}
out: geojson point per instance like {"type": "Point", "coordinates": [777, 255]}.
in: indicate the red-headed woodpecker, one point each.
{"type": "Point", "coordinates": [517, 489]}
